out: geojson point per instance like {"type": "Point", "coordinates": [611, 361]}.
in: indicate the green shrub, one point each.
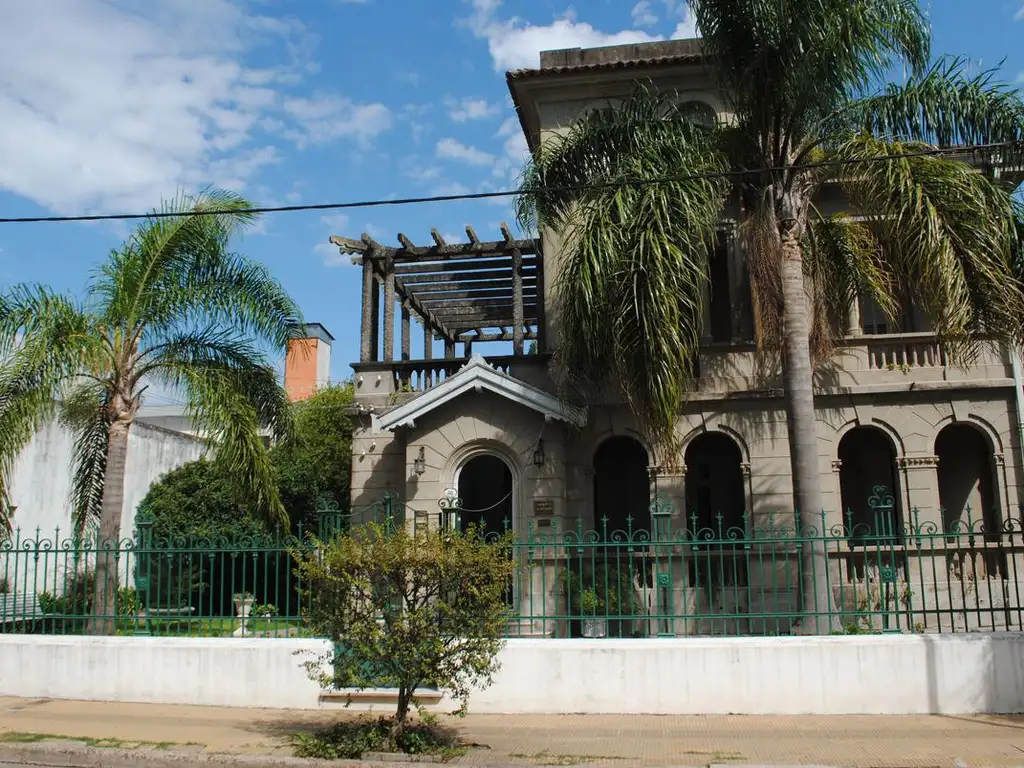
{"type": "Point", "coordinates": [409, 608]}
{"type": "Point", "coordinates": [265, 610]}
{"type": "Point", "coordinates": [349, 740]}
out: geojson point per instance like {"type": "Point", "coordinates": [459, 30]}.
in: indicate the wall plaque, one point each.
{"type": "Point", "coordinates": [543, 507]}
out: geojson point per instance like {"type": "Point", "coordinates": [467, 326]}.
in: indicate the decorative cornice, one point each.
{"type": "Point", "coordinates": [660, 471]}
{"type": "Point", "coordinates": [917, 462]}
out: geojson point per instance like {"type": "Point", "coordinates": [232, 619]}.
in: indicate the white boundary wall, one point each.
{"type": "Point", "coordinates": [879, 674]}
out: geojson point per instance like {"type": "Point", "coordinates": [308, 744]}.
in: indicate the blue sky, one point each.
{"type": "Point", "coordinates": [109, 105]}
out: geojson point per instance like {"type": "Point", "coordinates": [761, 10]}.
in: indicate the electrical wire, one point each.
{"type": "Point", "coordinates": [380, 203]}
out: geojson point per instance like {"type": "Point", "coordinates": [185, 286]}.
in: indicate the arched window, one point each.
{"type": "Point", "coordinates": [485, 488]}
{"type": "Point", "coordinates": [698, 112]}
{"type": "Point", "coordinates": [715, 499]}
{"type": "Point", "coordinates": [966, 479]}
{"type": "Point", "coordinates": [869, 486]}
{"type": "Point", "coordinates": [622, 487]}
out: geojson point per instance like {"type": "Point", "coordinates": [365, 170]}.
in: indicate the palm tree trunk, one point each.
{"type": "Point", "coordinates": [815, 590]}
{"type": "Point", "coordinates": [103, 616]}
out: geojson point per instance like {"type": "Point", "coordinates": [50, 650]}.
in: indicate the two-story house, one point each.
{"type": "Point", "coordinates": [904, 437]}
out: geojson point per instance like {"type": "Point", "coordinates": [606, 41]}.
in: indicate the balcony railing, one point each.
{"type": "Point", "coordinates": [902, 352]}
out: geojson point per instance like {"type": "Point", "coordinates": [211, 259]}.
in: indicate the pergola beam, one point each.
{"type": "Point", "coordinates": [489, 293]}
{"type": "Point", "coordinates": [425, 253]}
{"type": "Point", "coordinates": [448, 267]}
{"type": "Point", "coordinates": [430, 289]}
{"type": "Point", "coordinates": [472, 285]}
{"type": "Point", "coordinates": [505, 335]}
{"type": "Point", "coordinates": [426, 315]}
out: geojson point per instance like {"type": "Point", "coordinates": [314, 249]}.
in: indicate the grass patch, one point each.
{"type": "Point", "coordinates": [716, 757]}
{"type": "Point", "coordinates": [17, 737]}
{"type": "Point", "coordinates": [350, 739]}
{"type": "Point", "coordinates": [550, 758]}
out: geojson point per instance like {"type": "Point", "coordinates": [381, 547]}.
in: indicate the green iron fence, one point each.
{"type": "Point", "coordinates": [743, 575]}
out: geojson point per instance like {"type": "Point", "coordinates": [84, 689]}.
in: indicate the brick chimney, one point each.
{"type": "Point", "coordinates": [307, 366]}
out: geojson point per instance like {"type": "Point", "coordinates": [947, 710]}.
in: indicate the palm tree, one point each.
{"type": "Point", "coordinates": [799, 80]}
{"type": "Point", "coordinates": [171, 306]}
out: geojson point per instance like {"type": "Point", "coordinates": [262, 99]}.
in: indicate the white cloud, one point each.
{"type": "Point", "coordinates": [515, 44]}
{"type": "Point", "coordinates": [337, 223]}
{"type": "Point", "coordinates": [508, 127]}
{"type": "Point", "coordinates": [113, 104]}
{"type": "Point", "coordinates": [331, 256]}
{"type": "Point", "coordinates": [451, 188]}
{"type": "Point", "coordinates": [325, 117]}
{"type": "Point", "coordinates": [644, 15]}
{"type": "Point", "coordinates": [452, 149]}
{"type": "Point", "coordinates": [464, 110]}
{"type": "Point", "coordinates": [1020, 14]}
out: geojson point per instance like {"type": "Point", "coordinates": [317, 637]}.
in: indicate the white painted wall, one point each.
{"type": "Point", "coordinates": [880, 674]}
{"type": "Point", "coordinates": [42, 476]}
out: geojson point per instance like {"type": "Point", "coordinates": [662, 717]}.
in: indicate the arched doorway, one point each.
{"type": "Point", "coordinates": [716, 524]}
{"type": "Point", "coordinates": [622, 488]}
{"type": "Point", "coordinates": [966, 479]}
{"type": "Point", "coordinates": [715, 498]}
{"type": "Point", "coordinates": [485, 488]}
{"type": "Point", "coordinates": [869, 486]}
{"type": "Point", "coordinates": [610, 577]}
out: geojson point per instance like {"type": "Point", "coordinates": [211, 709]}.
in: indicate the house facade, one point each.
{"type": "Point", "coordinates": [470, 408]}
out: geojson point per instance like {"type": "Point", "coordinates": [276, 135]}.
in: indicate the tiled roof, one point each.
{"type": "Point", "coordinates": [523, 74]}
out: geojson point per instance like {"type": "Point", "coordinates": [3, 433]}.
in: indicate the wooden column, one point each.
{"type": "Point", "coordinates": [375, 319]}
{"type": "Point", "coordinates": [517, 302]}
{"type": "Point", "coordinates": [542, 297]}
{"type": "Point", "coordinates": [428, 341]}
{"type": "Point", "coordinates": [467, 348]}
{"type": "Point", "coordinates": [389, 311]}
{"type": "Point", "coordinates": [367, 338]}
{"type": "Point", "coordinates": [406, 331]}
{"type": "Point", "coordinates": [449, 349]}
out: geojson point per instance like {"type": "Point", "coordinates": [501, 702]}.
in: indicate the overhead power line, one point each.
{"type": "Point", "coordinates": [381, 203]}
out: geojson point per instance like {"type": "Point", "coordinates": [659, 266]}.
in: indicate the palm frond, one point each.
{"type": "Point", "coordinates": [634, 262]}
{"type": "Point", "coordinates": [232, 290]}
{"type": "Point", "coordinates": [46, 340]}
{"type": "Point", "coordinates": [785, 65]}
{"type": "Point", "coordinates": [845, 263]}
{"type": "Point", "coordinates": [231, 404]}
{"type": "Point", "coordinates": [218, 349]}
{"type": "Point", "coordinates": [944, 105]}
{"type": "Point", "coordinates": [86, 414]}
{"type": "Point", "coordinates": [948, 234]}
{"type": "Point", "coordinates": [129, 282]}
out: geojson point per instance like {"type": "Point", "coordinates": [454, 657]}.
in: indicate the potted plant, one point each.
{"type": "Point", "coordinates": [599, 591]}
{"type": "Point", "coordinates": [243, 604]}
{"type": "Point", "coordinates": [594, 624]}
{"type": "Point", "coordinates": [265, 611]}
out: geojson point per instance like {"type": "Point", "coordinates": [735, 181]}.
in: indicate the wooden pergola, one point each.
{"type": "Point", "coordinates": [461, 292]}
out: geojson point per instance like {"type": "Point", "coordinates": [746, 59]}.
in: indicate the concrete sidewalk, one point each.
{"type": "Point", "coordinates": [613, 740]}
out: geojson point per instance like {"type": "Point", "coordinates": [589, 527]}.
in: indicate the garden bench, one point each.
{"type": "Point", "coordinates": [16, 609]}
{"type": "Point", "coordinates": [181, 612]}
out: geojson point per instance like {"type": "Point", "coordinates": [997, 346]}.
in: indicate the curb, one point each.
{"type": "Point", "coordinates": [71, 754]}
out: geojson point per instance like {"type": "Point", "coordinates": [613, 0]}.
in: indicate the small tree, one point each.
{"type": "Point", "coordinates": [406, 609]}
{"type": "Point", "coordinates": [317, 461]}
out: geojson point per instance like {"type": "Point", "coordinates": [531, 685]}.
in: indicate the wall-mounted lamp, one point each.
{"type": "Point", "coordinates": [419, 464]}
{"type": "Point", "coordinates": [538, 454]}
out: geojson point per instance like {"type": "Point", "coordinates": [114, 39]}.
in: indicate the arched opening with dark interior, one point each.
{"type": "Point", "coordinates": [715, 497]}
{"type": "Point", "coordinates": [716, 520]}
{"type": "Point", "coordinates": [967, 480]}
{"type": "Point", "coordinates": [622, 487]}
{"type": "Point", "coordinates": [485, 488]}
{"type": "Point", "coordinates": [869, 486]}
{"type": "Point", "coordinates": [609, 578]}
